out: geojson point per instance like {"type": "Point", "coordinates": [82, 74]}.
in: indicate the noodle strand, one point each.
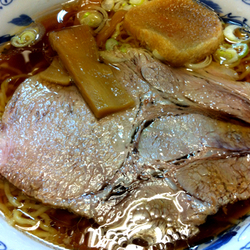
{"type": "Point", "coordinates": [10, 197]}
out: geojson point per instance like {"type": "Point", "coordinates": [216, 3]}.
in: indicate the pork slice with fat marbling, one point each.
{"type": "Point", "coordinates": [56, 149]}
{"type": "Point", "coordinates": [173, 137]}
{"type": "Point", "coordinates": [160, 199]}
{"type": "Point", "coordinates": [189, 88]}
{"type": "Point", "coordinates": [217, 181]}
{"type": "Point", "coordinates": [154, 211]}
{"type": "Point", "coordinates": [128, 164]}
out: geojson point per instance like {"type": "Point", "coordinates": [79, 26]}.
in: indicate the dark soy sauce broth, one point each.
{"type": "Point", "coordinates": [32, 60]}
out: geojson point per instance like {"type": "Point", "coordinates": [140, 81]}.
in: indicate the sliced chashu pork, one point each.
{"type": "Point", "coordinates": [187, 88]}
{"type": "Point", "coordinates": [172, 137]}
{"type": "Point", "coordinates": [217, 181]}
{"type": "Point", "coordinates": [154, 210]}
{"type": "Point", "coordinates": [53, 148]}
{"type": "Point", "coordinates": [178, 155]}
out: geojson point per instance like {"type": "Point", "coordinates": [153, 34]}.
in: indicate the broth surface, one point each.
{"type": "Point", "coordinates": [69, 230]}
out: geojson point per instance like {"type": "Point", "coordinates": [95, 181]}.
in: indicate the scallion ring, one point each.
{"type": "Point", "coordinates": [24, 39]}
{"type": "Point", "coordinates": [91, 18]}
{"type": "Point", "coordinates": [28, 36]}
{"type": "Point", "coordinates": [229, 33]}
{"type": "Point", "coordinates": [207, 61]}
{"type": "Point", "coordinates": [108, 5]}
{"type": "Point", "coordinates": [241, 48]}
{"type": "Point", "coordinates": [124, 47]}
{"type": "Point", "coordinates": [110, 44]}
{"type": "Point", "coordinates": [226, 55]}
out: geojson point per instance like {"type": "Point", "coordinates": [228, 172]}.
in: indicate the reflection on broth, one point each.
{"type": "Point", "coordinates": [53, 225]}
{"type": "Point", "coordinates": [177, 132]}
{"type": "Point", "coordinates": [66, 229]}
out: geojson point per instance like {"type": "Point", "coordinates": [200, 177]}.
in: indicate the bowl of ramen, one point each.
{"type": "Point", "coordinates": [124, 124]}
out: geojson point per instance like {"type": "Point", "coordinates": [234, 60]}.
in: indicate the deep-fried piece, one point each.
{"type": "Point", "coordinates": [180, 30]}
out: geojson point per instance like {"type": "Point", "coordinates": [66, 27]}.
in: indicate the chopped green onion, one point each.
{"type": "Point", "coordinates": [200, 65]}
{"type": "Point", "coordinates": [124, 48]}
{"type": "Point", "coordinates": [229, 33]}
{"type": "Point", "coordinates": [86, 14]}
{"type": "Point", "coordinates": [110, 44]}
{"type": "Point", "coordinates": [231, 37]}
{"type": "Point", "coordinates": [28, 36]}
{"type": "Point", "coordinates": [226, 55]}
{"type": "Point", "coordinates": [241, 48]}
{"type": "Point", "coordinates": [108, 4]}
{"type": "Point", "coordinates": [24, 39]}
{"type": "Point", "coordinates": [93, 19]}
{"type": "Point", "coordinates": [126, 6]}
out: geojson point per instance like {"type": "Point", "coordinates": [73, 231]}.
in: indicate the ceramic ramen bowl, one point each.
{"type": "Point", "coordinates": [15, 14]}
